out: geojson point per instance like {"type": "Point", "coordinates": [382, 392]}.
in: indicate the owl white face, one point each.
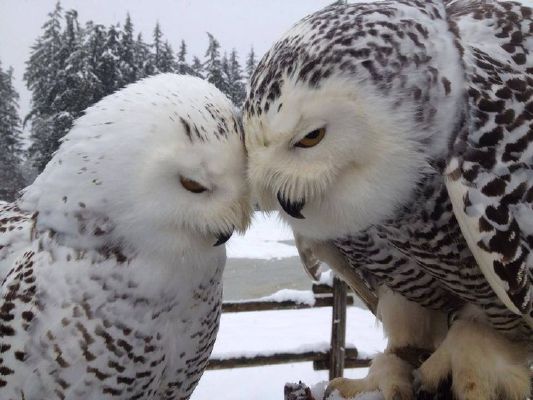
{"type": "Point", "coordinates": [332, 159]}
{"type": "Point", "coordinates": [198, 188]}
{"type": "Point", "coordinates": [159, 165]}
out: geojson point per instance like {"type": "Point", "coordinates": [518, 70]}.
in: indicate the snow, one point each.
{"type": "Point", "coordinates": [326, 278]}
{"type": "Point", "coordinates": [298, 296]}
{"type": "Point", "coordinates": [263, 240]}
{"type": "Point", "coordinates": [271, 332]}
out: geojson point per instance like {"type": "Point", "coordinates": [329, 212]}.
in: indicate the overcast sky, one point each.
{"type": "Point", "coordinates": [235, 23]}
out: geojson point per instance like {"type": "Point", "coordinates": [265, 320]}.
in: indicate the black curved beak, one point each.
{"type": "Point", "coordinates": [292, 208]}
{"type": "Point", "coordinates": [223, 237]}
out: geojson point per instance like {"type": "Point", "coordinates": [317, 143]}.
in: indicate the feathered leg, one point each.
{"type": "Point", "coordinates": [483, 364]}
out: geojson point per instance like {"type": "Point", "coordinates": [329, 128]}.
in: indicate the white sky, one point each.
{"type": "Point", "coordinates": [235, 23]}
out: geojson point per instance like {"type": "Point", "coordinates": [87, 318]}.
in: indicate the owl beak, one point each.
{"type": "Point", "coordinates": [223, 237]}
{"type": "Point", "coordinates": [292, 208]}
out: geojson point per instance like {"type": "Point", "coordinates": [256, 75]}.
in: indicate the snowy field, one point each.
{"type": "Point", "coordinates": [267, 238]}
{"type": "Point", "coordinates": [270, 332]}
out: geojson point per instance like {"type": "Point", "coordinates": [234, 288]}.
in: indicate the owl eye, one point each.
{"type": "Point", "coordinates": [312, 138]}
{"type": "Point", "coordinates": [192, 186]}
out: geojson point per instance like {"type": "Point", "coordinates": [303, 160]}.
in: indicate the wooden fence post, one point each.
{"type": "Point", "coordinates": [338, 330]}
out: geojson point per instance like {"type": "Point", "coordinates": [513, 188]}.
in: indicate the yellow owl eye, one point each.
{"type": "Point", "coordinates": [192, 186]}
{"type": "Point", "coordinates": [312, 138]}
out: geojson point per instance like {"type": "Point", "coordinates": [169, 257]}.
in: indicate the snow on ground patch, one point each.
{"type": "Point", "coordinates": [262, 383]}
{"type": "Point", "coordinates": [270, 332]}
{"type": "Point", "coordinates": [263, 239]}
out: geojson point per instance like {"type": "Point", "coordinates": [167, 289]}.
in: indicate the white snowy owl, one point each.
{"type": "Point", "coordinates": [111, 262]}
{"type": "Point", "coordinates": [396, 137]}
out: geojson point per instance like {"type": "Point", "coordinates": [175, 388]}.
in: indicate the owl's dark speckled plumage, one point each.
{"type": "Point", "coordinates": [466, 234]}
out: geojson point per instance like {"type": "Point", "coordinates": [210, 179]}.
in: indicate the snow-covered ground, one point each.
{"type": "Point", "coordinates": [267, 238]}
{"type": "Point", "coordinates": [270, 332]}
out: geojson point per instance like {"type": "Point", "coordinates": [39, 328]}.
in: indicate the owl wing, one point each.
{"type": "Point", "coordinates": [489, 173]}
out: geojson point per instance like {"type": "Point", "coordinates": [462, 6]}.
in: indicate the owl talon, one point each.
{"type": "Point", "coordinates": [477, 374]}
{"type": "Point", "coordinates": [388, 373]}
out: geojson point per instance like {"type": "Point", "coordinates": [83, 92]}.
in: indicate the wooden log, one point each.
{"type": "Point", "coordinates": [279, 358]}
{"type": "Point", "coordinates": [338, 329]}
{"type": "Point", "coordinates": [258, 305]}
{"type": "Point", "coordinates": [322, 288]}
{"type": "Point", "coordinates": [321, 365]}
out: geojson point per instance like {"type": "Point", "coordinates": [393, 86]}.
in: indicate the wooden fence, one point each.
{"type": "Point", "coordinates": [335, 360]}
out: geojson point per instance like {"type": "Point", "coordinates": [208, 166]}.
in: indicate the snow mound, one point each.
{"type": "Point", "coordinates": [298, 296]}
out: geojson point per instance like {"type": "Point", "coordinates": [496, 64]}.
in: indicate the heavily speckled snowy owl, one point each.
{"type": "Point", "coordinates": [111, 262]}
{"type": "Point", "coordinates": [397, 136]}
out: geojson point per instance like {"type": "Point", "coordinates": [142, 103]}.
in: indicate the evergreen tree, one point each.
{"type": "Point", "coordinates": [75, 83]}
{"type": "Point", "coordinates": [182, 67]}
{"type": "Point", "coordinates": [166, 62]}
{"type": "Point", "coordinates": [213, 65]}
{"type": "Point", "coordinates": [237, 88]}
{"type": "Point", "coordinates": [251, 64]}
{"type": "Point", "coordinates": [42, 78]}
{"type": "Point", "coordinates": [127, 62]}
{"type": "Point", "coordinates": [226, 76]}
{"type": "Point", "coordinates": [108, 69]}
{"type": "Point", "coordinates": [11, 178]}
{"type": "Point", "coordinates": [197, 67]}
{"type": "Point", "coordinates": [156, 51]}
{"type": "Point", "coordinates": [44, 64]}
{"type": "Point", "coordinates": [143, 58]}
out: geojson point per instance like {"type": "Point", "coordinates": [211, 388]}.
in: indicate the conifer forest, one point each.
{"type": "Point", "coordinates": [73, 65]}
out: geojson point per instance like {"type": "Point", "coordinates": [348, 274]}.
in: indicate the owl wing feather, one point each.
{"type": "Point", "coordinates": [489, 174]}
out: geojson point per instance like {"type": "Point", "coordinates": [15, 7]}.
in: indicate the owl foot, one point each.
{"type": "Point", "coordinates": [388, 373]}
{"type": "Point", "coordinates": [483, 365]}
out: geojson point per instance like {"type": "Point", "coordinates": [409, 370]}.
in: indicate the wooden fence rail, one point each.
{"type": "Point", "coordinates": [334, 360]}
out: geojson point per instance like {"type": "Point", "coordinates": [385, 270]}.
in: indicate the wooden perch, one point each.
{"type": "Point", "coordinates": [260, 305]}
{"type": "Point", "coordinates": [321, 360]}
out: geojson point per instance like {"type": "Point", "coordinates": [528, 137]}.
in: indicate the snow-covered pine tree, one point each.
{"type": "Point", "coordinates": [156, 50]}
{"type": "Point", "coordinates": [237, 87]}
{"type": "Point", "coordinates": [93, 40]}
{"type": "Point", "coordinates": [143, 58]}
{"type": "Point", "coordinates": [108, 69]}
{"type": "Point", "coordinates": [76, 81]}
{"type": "Point", "coordinates": [166, 62]}
{"type": "Point", "coordinates": [11, 178]}
{"type": "Point", "coordinates": [182, 67]}
{"type": "Point", "coordinates": [44, 64]}
{"type": "Point", "coordinates": [227, 79]}
{"type": "Point", "coordinates": [128, 68]}
{"type": "Point", "coordinates": [213, 66]}
{"type": "Point", "coordinates": [41, 76]}
{"type": "Point", "coordinates": [251, 64]}
{"type": "Point", "coordinates": [197, 67]}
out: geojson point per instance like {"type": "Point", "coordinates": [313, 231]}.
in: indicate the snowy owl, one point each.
{"type": "Point", "coordinates": [396, 138]}
{"type": "Point", "coordinates": [111, 261]}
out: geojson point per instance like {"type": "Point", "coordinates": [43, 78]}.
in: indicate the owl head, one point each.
{"type": "Point", "coordinates": [341, 117]}
{"type": "Point", "coordinates": [158, 166]}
